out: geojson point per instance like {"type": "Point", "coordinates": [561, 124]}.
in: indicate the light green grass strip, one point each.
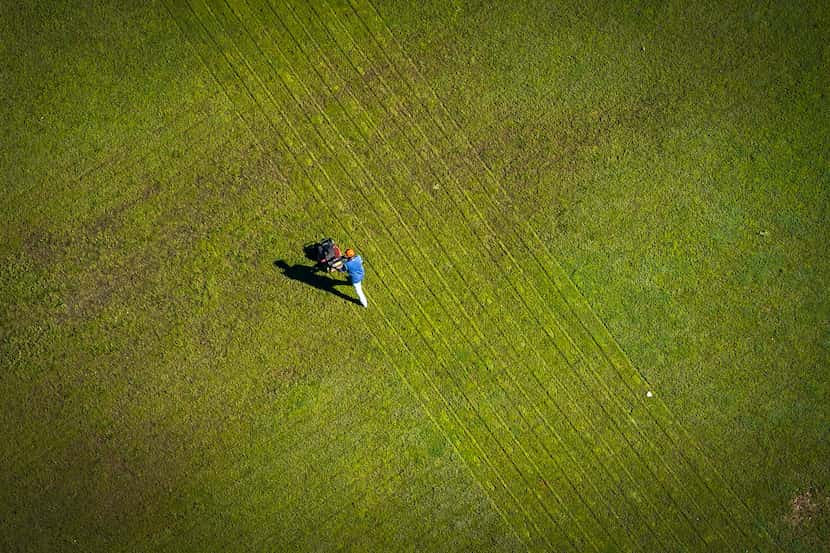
{"type": "Point", "coordinates": [430, 225]}
{"type": "Point", "coordinates": [316, 57]}
{"type": "Point", "coordinates": [736, 510]}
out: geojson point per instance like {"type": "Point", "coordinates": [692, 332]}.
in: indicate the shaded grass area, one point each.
{"type": "Point", "coordinates": [676, 161]}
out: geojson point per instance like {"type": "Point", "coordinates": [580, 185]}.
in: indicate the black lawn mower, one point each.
{"type": "Point", "coordinates": [326, 254]}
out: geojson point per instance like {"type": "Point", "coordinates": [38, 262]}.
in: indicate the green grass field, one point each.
{"type": "Point", "coordinates": [561, 209]}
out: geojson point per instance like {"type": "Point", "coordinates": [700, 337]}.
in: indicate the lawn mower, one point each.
{"type": "Point", "coordinates": [327, 255]}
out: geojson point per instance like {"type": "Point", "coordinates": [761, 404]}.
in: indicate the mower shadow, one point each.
{"type": "Point", "coordinates": [312, 277]}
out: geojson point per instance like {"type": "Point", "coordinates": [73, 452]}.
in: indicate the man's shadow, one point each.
{"type": "Point", "coordinates": [312, 277]}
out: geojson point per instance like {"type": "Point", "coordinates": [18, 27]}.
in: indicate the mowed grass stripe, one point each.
{"type": "Point", "coordinates": [727, 518]}
{"type": "Point", "coordinates": [458, 238]}
{"type": "Point", "coordinates": [344, 88]}
{"type": "Point", "coordinates": [288, 144]}
{"type": "Point", "coordinates": [473, 323]}
{"type": "Point", "coordinates": [31, 390]}
{"type": "Point", "coordinates": [246, 62]}
{"type": "Point", "coordinates": [369, 175]}
{"type": "Point", "coordinates": [687, 517]}
{"type": "Point", "coordinates": [443, 413]}
{"type": "Point", "coordinates": [528, 457]}
{"type": "Point", "coordinates": [738, 510]}
{"type": "Point", "coordinates": [222, 69]}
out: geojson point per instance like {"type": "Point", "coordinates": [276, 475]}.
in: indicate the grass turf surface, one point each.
{"type": "Point", "coordinates": [167, 388]}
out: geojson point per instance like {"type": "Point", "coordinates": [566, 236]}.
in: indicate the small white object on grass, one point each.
{"type": "Point", "coordinates": [649, 394]}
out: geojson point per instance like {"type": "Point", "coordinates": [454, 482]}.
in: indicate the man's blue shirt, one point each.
{"type": "Point", "coordinates": [354, 267]}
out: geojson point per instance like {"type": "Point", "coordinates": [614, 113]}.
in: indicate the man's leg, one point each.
{"type": "Point", "coordinates": [358, 287]}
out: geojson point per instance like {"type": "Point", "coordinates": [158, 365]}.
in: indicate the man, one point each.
{"type": "Point", "coordinates": [354, 267]}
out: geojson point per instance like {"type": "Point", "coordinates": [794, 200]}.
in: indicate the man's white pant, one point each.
{"type": "Point", "coordinates": [358, 287]}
